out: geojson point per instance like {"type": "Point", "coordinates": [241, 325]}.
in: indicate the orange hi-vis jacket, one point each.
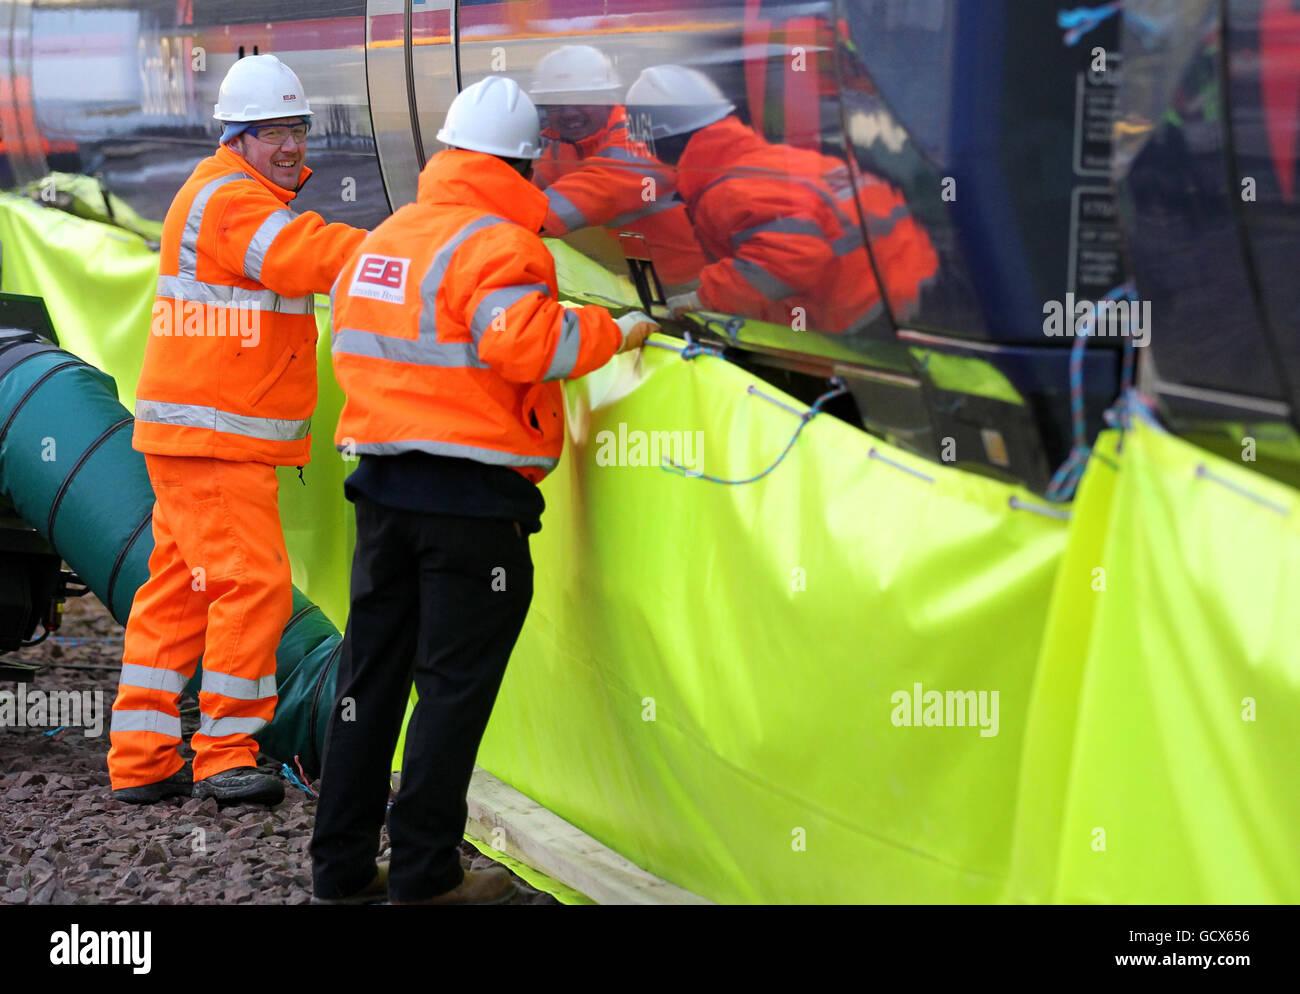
{"type": "Point", "coordinates": [608, 180]}
{"type": "Point", "coordinates": [782, 225]}
{"type": "Point", "coordinates": [230, 365]}
{"type": "Point", "coordinates": [448, 337]}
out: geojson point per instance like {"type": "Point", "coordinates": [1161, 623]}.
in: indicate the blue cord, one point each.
{"type": "Point", "coordinates": [1065, 481]}
{"type": "Point", "coordinates": [694, 349]}
{"type": "Point", "coordinates": [804, 418]}
{"type": "Point", "coordinates": [1081, 20]}
{"type": "Point", "coordinates": [293, 779]}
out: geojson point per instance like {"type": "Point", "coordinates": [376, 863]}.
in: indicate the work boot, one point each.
{"type": "Point", "coordinates": [179, 784]}
{"type": "Point", "coordinates": [493, 886]}
{"type": "Point", "coordinates": [241, 785]}
{"type": "Point", "coordinates": [376, 892]}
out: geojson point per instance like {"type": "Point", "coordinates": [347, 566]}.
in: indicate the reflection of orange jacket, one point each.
{"type": "Point", "coordinates": [602, 181]}
{"type": "Point", "coordinates": [448, 337]}
{"type": "Point", "coordinates": [783, 226]}
{"type": "Point", "coordinates": [230, 365]}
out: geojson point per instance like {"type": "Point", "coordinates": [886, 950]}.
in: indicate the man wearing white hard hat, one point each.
{"type": "Point", "coordinates": [594, 175]}
{"type": "Point", "coordinates": [225, 396]}
{"type": "Point", "coordinates": [782, 224]}
{"type": "Point", "coordinates": [450, 345]}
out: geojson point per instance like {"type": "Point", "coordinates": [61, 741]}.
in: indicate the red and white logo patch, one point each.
{"type": "Point", "coordinates": [289, 96]}
{"type": "Point", "coordinates": [381, 277]}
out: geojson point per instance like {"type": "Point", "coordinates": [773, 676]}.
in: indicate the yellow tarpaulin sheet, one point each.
{"type": "Point", "coordinates": [1161, 761]}
{"type": "Point", "coordinates": [754, 691]}
{"type": "Point", "coordinates": [706, 679]}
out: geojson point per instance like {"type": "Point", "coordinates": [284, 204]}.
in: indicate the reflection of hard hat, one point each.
{"type": "Point", "coordinates": [676, 100]}
{"type": "Point", "coordinates": [575, 74]}
{"type": "Point", "coordinates": [494, 116]}
{"type": "Point", "coordinates": [260, 87]}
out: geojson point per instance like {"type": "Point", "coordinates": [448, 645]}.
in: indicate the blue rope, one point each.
{"type": "Point", "coordinates": [1081, 20]}
{"type": "Point", "coordinates": [694, 349]}
{"type": "Point", "coordinates": [293, 779]}
{"type": "Point", "coordinates": [1065, 481]}
{"type": "Point", "coordinates": [804, 418]}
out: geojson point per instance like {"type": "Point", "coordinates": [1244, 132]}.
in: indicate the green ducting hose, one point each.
{"type": "Point", "coordinates": [67, 466]}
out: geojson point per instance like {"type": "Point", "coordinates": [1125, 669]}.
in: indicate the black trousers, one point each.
{"type": "Point", "coordinates": [438, 600]}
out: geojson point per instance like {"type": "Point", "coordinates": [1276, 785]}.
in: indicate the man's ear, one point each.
{"type": "Point", "coordinates": [236, 145]}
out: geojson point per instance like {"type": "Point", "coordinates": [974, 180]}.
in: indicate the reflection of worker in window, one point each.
{"type": "Point", "coordinates": [593, 176]}
{"type": "Point", "coordinates": [779, 221]}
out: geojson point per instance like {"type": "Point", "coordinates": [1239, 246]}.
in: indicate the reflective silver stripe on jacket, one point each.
{"type": "Point", "coordinates": [185, 284]}
{"type": "Point", "coordinates": [653, 207]}
{"type": "Point", "coordinates": [784, 226]}
{"type": "Point", "coordinates": [439, 448]}
{"type": "Point", "coordinates": [261, 241]}
{"type": "Point", "coordinates": [852, 240]}
{"type": "Point", "coordinates": [196, 416]}
{"type": "Point", "coordinates": [215, 728]}
{"type": "Point", "coordinates": [620, 154]}
{"type": "Point", "coordinates": [146, 721]}
{"type": "Point", "coordinates": [188, 257]}
{"type": "Point", "coordinates": [883, 227]}
{"type": "Point", "coordinates": [186, 288]}
{"type": "Point", "coordinates": [437, 272]}
{"type": "Point", "coordinates": [416, 351]}
{"type": "Point", "coordinates": [498, 302]}
{"type": "Point", "coordinates": [565, 209]}
{"type": "Point", "coordinates": [566, 349]}
{"type": "Point", "coordinates": [151, 678]}
{"type": "Point", "coordinates": [761, 280]}
{"type": "Point", "coordinates": [238, 687]}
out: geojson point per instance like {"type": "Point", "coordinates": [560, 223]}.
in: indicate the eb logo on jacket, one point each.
{"type": "Point", "coordinates": [380, 277]}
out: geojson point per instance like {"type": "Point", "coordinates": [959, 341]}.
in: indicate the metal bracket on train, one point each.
{"type": "Point", "coordinates": [642, 270]}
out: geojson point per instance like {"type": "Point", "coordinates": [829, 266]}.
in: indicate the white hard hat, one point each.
{"type": "Point", "coordinates": [575, 74]}
{"type": "Point", "coordinates": [676, 100]}
{"type": "Point", "coordinates": [494, 116]}
{"type": "Point", "coordinates": [258, 88]}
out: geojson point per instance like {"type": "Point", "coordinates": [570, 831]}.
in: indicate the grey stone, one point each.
{"type": "Point", "coordinates": [44, 893]}
{"type": "Point", "coordinates": [153, 854]}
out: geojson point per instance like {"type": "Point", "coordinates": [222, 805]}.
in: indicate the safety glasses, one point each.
{"type": "Point", "coordinates": [275, 134]}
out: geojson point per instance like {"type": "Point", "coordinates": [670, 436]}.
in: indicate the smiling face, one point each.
{"type": "Point", "coordinates": [281, 164]}
{"type": "Point", "coordinates": [574, 122]}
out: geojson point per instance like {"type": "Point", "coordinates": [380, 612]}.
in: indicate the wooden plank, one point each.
{"type": "Point", "coordinates": [518, 826]}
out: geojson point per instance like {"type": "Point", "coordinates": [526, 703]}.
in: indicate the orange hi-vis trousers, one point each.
{"type": "Point", "coordinates": [219, 587]}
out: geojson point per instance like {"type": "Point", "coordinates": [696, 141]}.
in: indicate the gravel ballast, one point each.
{"type": "Point", "coordinates": [64, 840]}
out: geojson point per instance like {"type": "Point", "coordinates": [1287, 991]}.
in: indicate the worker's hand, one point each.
{"type": "Point", "coordinates": [682, 303]}
{"type": "Point", "coordinates": [636, 328]}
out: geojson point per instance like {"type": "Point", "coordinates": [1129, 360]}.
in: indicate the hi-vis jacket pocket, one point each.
{"type": "Point", "coordinates": [264, 385]}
